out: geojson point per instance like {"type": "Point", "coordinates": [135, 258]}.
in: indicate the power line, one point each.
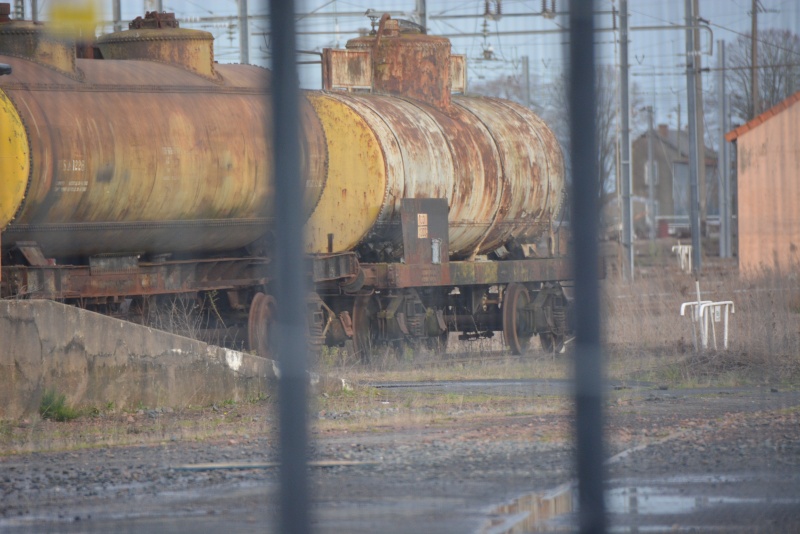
{"type": "Point", "coordinates": [714, 69]}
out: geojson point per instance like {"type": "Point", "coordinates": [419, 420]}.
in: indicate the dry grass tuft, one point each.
{"type": "Point", "coordinates": [647, 337]}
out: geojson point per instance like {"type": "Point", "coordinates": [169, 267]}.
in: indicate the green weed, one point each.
{"type": "Point", "coordinates": [54, 406]}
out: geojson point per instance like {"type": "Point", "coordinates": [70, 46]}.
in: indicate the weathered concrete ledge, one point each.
{"type": "Point", "coordinates": [94, 359]}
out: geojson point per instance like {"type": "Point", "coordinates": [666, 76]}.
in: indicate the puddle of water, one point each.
{"type": "Point", "coordinates": [529, 512]}
{"type": "Point", "coordinates": [649, 501]}
{"type": "Point", "coordinates": [642, 502]}
{"type": "Point", "coordinates": [646, 500]}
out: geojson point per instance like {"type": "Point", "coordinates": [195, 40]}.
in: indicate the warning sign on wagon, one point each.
{"type": "Point", "coordinates": [422, 225]}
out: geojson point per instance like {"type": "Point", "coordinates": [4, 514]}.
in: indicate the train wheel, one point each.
{"type": "Point", "coordinates": [516, 326]}
{"type": "Point", "coordinates": [263, 311]}
{"type": "Point", "coordinates": [365, 333]}
{"type": "Point", "coordinates": [553, 343]}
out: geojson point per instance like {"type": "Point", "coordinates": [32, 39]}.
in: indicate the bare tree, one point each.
{"type": "Point", "coordinates": [504, 86]}
{"type": "Point", "coordinates": [778, 70]}
{"type": "Point", "coordinates": [511, 87]}
{"type": "Point", "coordinates": [606, 124]}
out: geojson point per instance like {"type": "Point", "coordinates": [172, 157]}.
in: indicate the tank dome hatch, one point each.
{"type": "Point", "coordinates": [396, 59]}
{"type": "Point", "coordinates": [159, 37]}
{"type": "Point", "coordinates": [30, 40]}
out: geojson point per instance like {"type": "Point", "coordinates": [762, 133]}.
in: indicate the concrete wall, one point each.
{"type": "Point", "coordinates": [94, 359]}
{"type": "Point", "coordinates": [769, 192]}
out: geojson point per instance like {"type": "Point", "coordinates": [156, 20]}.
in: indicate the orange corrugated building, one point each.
{"type": "Point", "coordinates": [768, 155]}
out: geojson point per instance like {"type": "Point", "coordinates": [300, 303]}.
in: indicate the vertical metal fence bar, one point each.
{"type": "Point", "coordinates": [289, 328]}
{"type": "Point", "coordinates": [585, 220]}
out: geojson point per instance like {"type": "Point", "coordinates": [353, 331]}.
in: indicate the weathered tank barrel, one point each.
{"type": "Point", "coordinates": [138, 154]}
{"type": "Point", "coordinates": [497, 164]}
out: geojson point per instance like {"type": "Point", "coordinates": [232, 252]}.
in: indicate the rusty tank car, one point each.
{"type": "Point", "coordinates": [135, 168]}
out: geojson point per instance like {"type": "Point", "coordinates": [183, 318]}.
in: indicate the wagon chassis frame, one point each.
{"type": "Point", "coordinates": [425, 276]}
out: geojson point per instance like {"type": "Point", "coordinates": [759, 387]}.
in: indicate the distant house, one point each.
{"type": "Point", "coordinates": [768, 168]}
{"type": "Point", "coordinates": [671, 156]}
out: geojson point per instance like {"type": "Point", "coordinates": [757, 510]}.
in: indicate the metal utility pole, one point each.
{"type": "Point", "coordinates": [625, 149]}
{"type": "Point", "coordinates": [754, 59]}
{"type": "Point", "coordinates": [723, 163]}
{"type": "Point", "coordinates": [701, 138]}
{"type": "Point", "coordinates": [244, 34]}
{"type": "Point", "coordinates": [116, 12]}
{"type": "Point", "coordinates": [651, 177]}
{"type": "Point", "coordinates": [694, 208]}
{"type": "Point", "coordinates": [156, 5]}
{"type": "Point", "coordinates": [526, 81]}
{"type": "Point", "coordinates": [35, 10]}
{"type": "Point", "coordinates": [422, 15]}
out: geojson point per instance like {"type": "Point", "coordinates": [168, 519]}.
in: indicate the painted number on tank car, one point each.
{"type": "Point", "coordinates": [73, 165]}
{"type": "Point", "coordinates": [71, 186]}
{"type": "Point", "coordinates": [171, 159]}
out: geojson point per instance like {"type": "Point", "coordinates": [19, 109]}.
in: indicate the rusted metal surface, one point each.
{"type": "Point", "coordinates": [481, 145]}
{"type": "Point", "coordinates": [411, 65]}
{"type": "Point", "coordinates": [313, 156]}
{"type": "Point", "coordinates": [263, 313]}
{"type": "Point", "coordinates": [68, 239]}
{"type": "Point", "coordinates": [466, 273]}
{"type": "Point", "coordinates": [118, 276]}
{"type": "Point", "coordinates": [32, 253]}
{"type": "Point", "coordinates": [552, 164]}
{"type": "Point", "coordinates": [435, 150]}
{"type": "Point", "coordinates": [480, 192]}
{"type": "Point", "coordinates": [192, 175]}
{"type": "Point", "coordinates": [351, 69]}
{"type": "Point", "coordinates": [458, 73]}
{"type": "Point", "coordinates": [532, 168]}
{"type": "Point", "coordinates": [26, 39]}
{"type": "Point", "coordinates": [425, 239]}
{"type": "Point", "coordinates": [535, 270]}
{"type": "Point", "coordinates": [192, 50]}
{"type": "Point", "coordinates": [346, 69]}
{"type": "Point", "coordinates": [416, 164]}
{"type": "Point", "coordinates": [335, 267]}
{"type": "Point", "coordinates": [427, 165]}
{"type": "Point", "coordinates": [413, 177]}
{"type": "Point", "coordinates": [74, 282]}
{"type": "Point", "coordinates": [517, 320]}
{"type": "Point", "coordinates": [113, 263]}
{"type": "Point", "coordinates": [154, 19]}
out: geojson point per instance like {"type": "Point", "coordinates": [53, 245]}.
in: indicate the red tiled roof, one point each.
{"type": "Point", "coordinates": [764, 117]}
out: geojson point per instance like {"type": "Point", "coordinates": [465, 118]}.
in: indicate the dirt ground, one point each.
{"type": "Point", "coordinates": [432, 457]}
